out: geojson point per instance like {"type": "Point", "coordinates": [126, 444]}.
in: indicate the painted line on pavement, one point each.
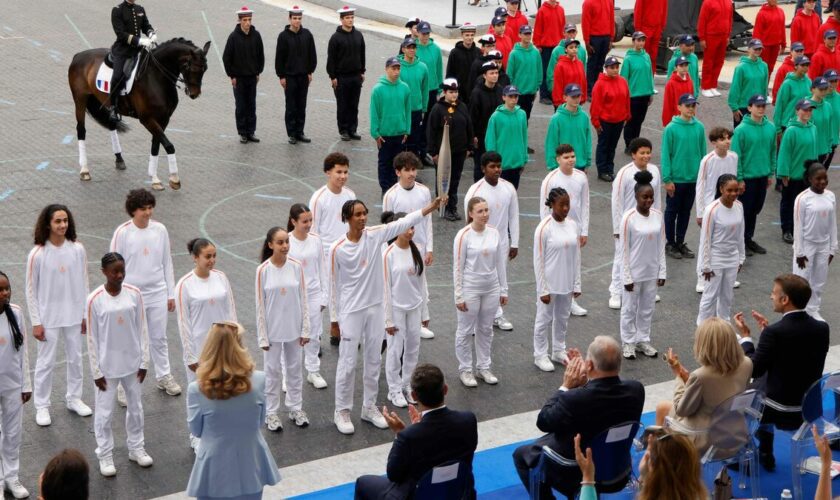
{"type": "Point", "coordinates": [5, 194]}
{"type": "Point", "coordinates": [78, 32]}
{"type": "Point", "coordinates": [272, 197]}
{"type": "Point", "coordinates": [67, 139]}
{"type": "Point", "coordinates": [43, 165]}
{"type": "Point", "coordinates": [212, 39]}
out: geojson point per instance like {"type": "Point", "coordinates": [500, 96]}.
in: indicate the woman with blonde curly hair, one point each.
{"type": "Point", "coordinates": [225, 409]}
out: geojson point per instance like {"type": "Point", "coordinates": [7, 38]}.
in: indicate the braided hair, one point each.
{"type": "Point", "coordinates": [387, 217]}
{"type": "Point", "coordinates": [17, 336]}
{"type": "Point", "coordinates": [554, 194]}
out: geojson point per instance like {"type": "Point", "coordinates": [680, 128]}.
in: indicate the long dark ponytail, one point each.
{"type": "Point", "coordinates": [17, 336]}
{"type": "Point", "coordinates": [295, 212]}
{"type": "Point", "coordinates": [415, 252]}
{"type": "Point", "coordinates": [266, 252]}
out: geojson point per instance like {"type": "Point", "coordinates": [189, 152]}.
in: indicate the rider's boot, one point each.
{"type": "Point", "coordinates": [113, 111]}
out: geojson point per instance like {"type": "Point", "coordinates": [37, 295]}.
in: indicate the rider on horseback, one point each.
{"type": "Point", "coordinates": [129, 21]}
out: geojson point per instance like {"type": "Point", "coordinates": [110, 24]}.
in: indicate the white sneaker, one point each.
{"type": "Point", "coordinates": [141, 457]}
{"type": "Point", "coordinates": [17, 490]}
{"type": "Point", "coordinates": [425, 333]}
{"type": "Point", "coordinates": [646, 349]}
{"type": "Point", "coordinates": [628, 351]}
{"type": "Point", "coordinates": [299, 418]}
{"type": "Point", "coordinates": [701, 285]}
{"type": "Point", "coordinates": [121, 396]}
{"type": "Point", "coordinates": [407, 392]}
{"type": "Point", "coordinates": [487, 376]}
{"type": "Point", "coordinates": [78, 407]}
{"type": "Point", "coordinates": [657, 298]}
{"type": "Point", "coordinates": [106, 467]}
{"type": "Point", "coordinates": [468, 379]}
{"type": "Point", "coordinates": [42, 417]}
{"type": "Point", "coordinates": [715, 92]}
{"type": "Point", "coordinates": [577, 310]}
{"type": "Point", "coordinates": [397, 399]}
{"type": "Point", "coordinates": [169, 385]}
{"type": "Point", "coordinates": [707, 93]}
{"type": "Point", "coordinates": [316, 380]}
{"type": "Point", "coordinates": [544, 364]}
{"type": "Point", "coordinates": [194, 443]}
{"type": "Point", "coordinates": [343, 423]}
{"type": "Point", "coordinates": [273, 423]}
{"type": "Point", "coordinates": [560, 357]}
{"type": "Point", "coordinates": [737, 284]}
{"type": "Point", "coordinates": [371, 414]}
{"type": "Point", "coordinates": [615, 302]}
{"type": "Point", "coordinates": [503, 324]}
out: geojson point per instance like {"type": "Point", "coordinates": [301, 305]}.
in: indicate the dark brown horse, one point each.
{"type": "Point", "coordinates": [152, 100]}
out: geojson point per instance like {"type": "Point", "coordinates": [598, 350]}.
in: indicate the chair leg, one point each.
{"type": "Point", "coordinates": [755, 485]}
{"type": "Point", "coordinates": [795, 468]}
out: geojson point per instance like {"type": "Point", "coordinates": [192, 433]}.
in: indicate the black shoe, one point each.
{"type": "Point", "coordinates": [114, 115]}
{"type": "Point", "coordinates": [672, 251]}
{"type": "Point", "coordinates": [768, 461]}
{"type": "Point", "coordinates": [606, 177]}
{"type": "Point", "coordinates": [344, 136]}
{"type": "Point", "coordinates": [355, 136]}
{"type": "Point", "coordinates": [293, 140]}
{"type": "Point", "coordinates": [335, 341]}
{"type": "Point", "coordinates": [302, 138]}
{"type": "Point", "coordinates": [788, 238]}
{"type": "Point", "coordinates": [530, 150]}
{"type": "Point", "coordinates": [253, 138]}
{"type": "Point", "coordinates": [451, 214]}
{"type": "Point", "coordinates": [427, 160]}
{"type": "Point", "coordinates": [748, 251]}
{"type": "Point", "coordinates": [243, 139]}
{"type": "Point", "coordinates": [546, 100]}
{"type": "Point", "coordinates": [755, 247]}
{"type": "Point", "coordinates": [685, 251]}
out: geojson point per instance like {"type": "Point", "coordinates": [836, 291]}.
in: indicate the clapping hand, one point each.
{"type": "Point", "coordinates": [575, 375]}
{"type": "Point", "coordinates": [394, 422]}
{"type": "Point", "coordinates": [673, 361]}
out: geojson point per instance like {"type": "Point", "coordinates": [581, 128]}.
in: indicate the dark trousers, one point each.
{"type": "Point", "coordinates": [512, 175]}
{"type": "Point", "coordinates": [678, 212]}
{"type": "Point", "coordinates": [526, 102]}
{"type": "Point", "coordinates": [744, 112]}
{"type": "Point", "coordinates": [118, 77]}
{"type": "Point", "coordinates": [417, 132]}
{"type": "Point", "coordinates": [595, 62]}
{"type": "Point", "coordinates": [392, 145]}
{"type": "Point", "coordinates": [379, 487]}
{"type": "Point", "coordinates": [827, 158]}
{"type": "Point", "coordinates": [752, 199]}
{"type": "Point", "coordinates": [458, 160]}
{"type": "Point", "coordinates": [297, 88]}
{"type": "Point", "coordinates": [347, 102]}
{"type": "Point", "coordinates": [245, 93]}
{"type": "Point", "coordinates": [477, 154]}
{"type": "Point", "coordinates": [605, 150]}
{"type": "Point", "coordinates": [638, 113]}
{"type": "Point", "coordinates": [789, 194]}
{"type": "Point", "coordinates": [566, 480]}
{"type": "Point", "coordinates": [545, 54]}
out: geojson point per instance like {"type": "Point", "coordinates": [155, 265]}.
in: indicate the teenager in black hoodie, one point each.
{"type": "Point", "coordinates": [484, 100]}
{"type": "Point", "coordinates": [294, 63]}
{"type": "Point", "coordinates": [346, 69]}
{"type": "Point", "coordinates": [461, 59]}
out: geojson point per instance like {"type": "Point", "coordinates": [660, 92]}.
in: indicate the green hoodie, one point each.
{"type": "Point", "coordinates": [799, 143]}
{"type": "Point", "coordinates": [560, 50]}
{"type": "Point", "coordinates": [755, 145]}
{"type": "Point", "coordinates": [430, 54]}
{"type": "Point", "coordinates": [524, 67]}
{"type": "Point", "coordinates": [693, 68]}
{"type": "Point", "coordinates": [416, 76]}
{"type": "Point", "coordinates": [792, 89]}
{"type": "Point", "coordinates": [390, 108]}
{"type": "Point", "coordinates": [507, 134]}
{"type": "Point", "coordinates": [826, 123]}
{"type": "Point", "coordinates": [570, 128]}
{"type": "Point", "coordinates": [636, 69]}
{"type": "Point", "coordinates": [683, 146]}
{"type": "Point", "coordinates": [833, 98]}
{"type": "Point", "coordinates": [750, 78]}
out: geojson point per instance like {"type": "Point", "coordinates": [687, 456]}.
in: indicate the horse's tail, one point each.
{"type": "Point", "coordinates": [99, 113]}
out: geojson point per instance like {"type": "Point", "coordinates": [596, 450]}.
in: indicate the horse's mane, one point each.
{"type": "Point", "coordinates": [179, 40]}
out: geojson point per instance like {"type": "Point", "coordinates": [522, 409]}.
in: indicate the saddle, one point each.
{"type": "Point", "coordinates": [106, 70]}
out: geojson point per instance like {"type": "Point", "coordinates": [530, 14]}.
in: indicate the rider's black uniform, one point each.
{"type": "Point", "coordinates": [129, 21]}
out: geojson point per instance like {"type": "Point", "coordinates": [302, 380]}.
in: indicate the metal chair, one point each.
{"type": "Point", "coordinates": [610, 452]}
{"type": "Point", "coordinates": [448, 481]}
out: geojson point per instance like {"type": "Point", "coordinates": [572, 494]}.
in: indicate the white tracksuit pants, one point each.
{"type": "Point", "coordinates": [316, 327]}
{"type": "Point", "coordinates": [368, 327]}
{"type": "Point", "coordinates": [11, 407]}
{"type": "Point", "coordinates": [816, 272]}
{"type": "Point", "coordinates": [552, 317]}
{"type": "Point", "coordinates": [479, 319]}
{"type": "Point", "coordinates": [405, 344]}
{"type": "Point", "coordinates": [637, 312]}
{"type": "Point", "coordinates": [717, 295]}
{"type": "Point", "coordinates": [283, 359]}
{"type": "Point", "coordinates": [73, 341]}
{"type": "Point", "coordinates": [103, 414]}
{"type": "Point", "coordinates": [616, 286]}
{"type": "Point", "coordinates": [156, 316]}
{"type": "Point", "coordinates": [506, 243]}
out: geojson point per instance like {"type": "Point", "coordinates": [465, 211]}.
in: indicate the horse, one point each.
{"type": "Point", "coordinates": [152, 100]}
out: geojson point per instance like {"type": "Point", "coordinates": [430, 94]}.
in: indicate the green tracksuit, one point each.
{"type": "Point", "coordinates": [430, 54]}
{"type": "Point", "coordinates": [390, 108]}
{"type": "Point", "coordinates": [755, 145]}
{"type": "Point", "coordinates": [792, 89]}
{"type": "Point", "coordinates": [833, 98]}
{"type": "Point", "coordinates": [416, 75]}
{"type": "Point", "coordinates": [799, 143]}
{"type": "Point", "coordinates": [570, 128]}
{"type": "Point", "coordinates": [507, 134]}
{"type": "Point", "coordinates": [693, 68]}
{"type": "Point", "coordinates": [750, 78]}
{"type": "Point", "coordinates": [683, 146]}
{"type": "Point", "coordinates": [524, 67]}
{"type": "Point", "coordinates": [560, 50]}
{"type": "Point", "coordinates": [825, 121]}
{"type": "Point", "coordinates": [636, 69]}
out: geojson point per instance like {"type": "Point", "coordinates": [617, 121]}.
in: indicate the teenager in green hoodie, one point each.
{"type": "Point", "coordinates": [570, 31]}
{"type": "Point", "coordinates": [638, 72]}
{"type": "Point", "coordinates": [507, 134]}
{"type": "Point", "coordinates": [683, 146]}
{"type": "Point", "coordinates": [754, 141]}
{"type": "Point", "coordinates": [687, 50]}
{"type": "Point", "coordinates": [751, 78]}
{"type": "Point", "coordinates": [390, 120]}
{"type": "Point", "coordinates": [833, 98]}
{"type": "Point", "coordinates": [569, 125]}
{"type": "Point", "coordinates": [799, 145]}
{"type": "Point", "coordinates": [416, 75]}
{"type": "Point", "coordinates": [823, 118]}
{"type": "Point", "coordinates": [795, 86]}
{"type": "Point", "coordinates": [524, 67]}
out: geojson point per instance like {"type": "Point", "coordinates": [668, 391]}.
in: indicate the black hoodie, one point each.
{"type": "Point", "coordinates": [295, 53]}
{"type": "Point", "coordinates": [458, 67]}
{"type": "Point", "coordinates": [346, 53]}
{"type": "Point", "coordinates": [460, 126]}
{"type": "Point", "coordinates": [477, 76]}
{"type": "Point", "coordinates": [243, 55]}
{"type": "Point", "coordinates": [483, 102]}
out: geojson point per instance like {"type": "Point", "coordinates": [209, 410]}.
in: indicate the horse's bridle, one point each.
{"type": "Point", "coordinates": [174, 78]}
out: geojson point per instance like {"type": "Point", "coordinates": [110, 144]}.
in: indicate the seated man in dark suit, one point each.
{"type": "Point", "coordinates": [436, 435]}
{"type": "Point", "coordinates": [791, 352]}
{"type": "Point", "coordinates": [592, 399]}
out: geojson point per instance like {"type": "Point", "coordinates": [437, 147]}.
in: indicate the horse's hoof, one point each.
{"type": "Point", "coordinates": [85, 176]}
{"type": "Point", "coordinates": [175, 184]}
{"type": "Point", "coordinates": [120, 165]}
{"type": "Point", "coordinates": [157, 186]}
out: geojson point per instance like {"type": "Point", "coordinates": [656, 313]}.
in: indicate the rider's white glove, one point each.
{"type": "Point", "coordinates": [145, 42]}
{"type": "Point", "coordinates": [153, 38]}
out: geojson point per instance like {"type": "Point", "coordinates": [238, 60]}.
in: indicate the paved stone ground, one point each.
{"type": "Point", "coordinates": [234, 193]}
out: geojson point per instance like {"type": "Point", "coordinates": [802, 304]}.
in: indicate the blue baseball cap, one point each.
{"type": "Point", "coordinates": [687, 40]}
{"type": "Point", "coordinates": [820, 82]}
{"type": "Point", "coordinates": [408, 41]}
{"type": "Point", "coordinates": [680, 61]}
{"type": "Point", "coordinates": [804, 104]}
{"type": "Point", "coordinates": [392, 61]}
{"type": "Point", "coordinates": [573, 41]}
{"type": "Point", "coordinates": [801, 60]}
{"type": "Point", "coordinates": [638, 35]}
{"type": "Point", "coordinates": [500, 12]}
{"type": "Point", "coordinates": [424, 27]}
{"type": "Point", "coordinates": [797, 46]}
{"type": "Point", "coordinates": [525, 29]}
{"type": "Point", "coordinates": [757, 100]}
{"type": "Point", "coordinates": [832, 75]}
{"type": "Point", "coordinates": [687, 99]}
{"type": "Point", "coordinates": [570, 27]}
{"type": "Point", "coordinates": [611, 61]}
{"type": "Point", "coordinates": [510, 90]}
{"type": "Point", "coordinates": [755, 43]}
{"type": "Point", "coordinates": [498, 20]}
{"type": "Point", "coordinates": [830, 34]}
{"type": "Point", "coordinates": [573, 90]}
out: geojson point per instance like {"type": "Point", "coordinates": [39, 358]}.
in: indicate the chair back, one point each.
{"type": "Point", "coordinates": [733, 423]}
{"type": "Point", "coordinates": [447, 481]}
{"type": "Point", "coordinates": [820, 401]}
{"type": "Point", "coordinates": [611, 452]}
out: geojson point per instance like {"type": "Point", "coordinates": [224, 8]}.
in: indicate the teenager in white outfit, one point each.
{"type": "Point", "coordinates": [356, 294]}
{"type": "Point", "coordinates": [503, 203]}
{"type": "Point", "coordinates": [118, 351]}
{"type": "Point", "coordinates": [624, 199]}
{"type": "Point", "coordinates": [722, 251]}
{"type": "Point", "coordinates": [144, 243]}
{"type": "Point", "coordinates": [405, 292]}
{"type": "Point", "coordinates": [642, 240]}
{"type": "Point", "coordinates": [56, 287]}
{"type": "Point", "coordinates": [557, 273]}
{"type": "Point", "coordinates": [576, 185]}
{"type": "Point", "coordinates": [305, 247]}
{"type": "Point", "coordinates": [282, 327]}
{"type": "Point", "coordinates": [406, 196]}
{"type": "Point", "coordinates": [15, 388]}
{"type": "Point", "coordinates": [814, 233]}
{"type": "Point", "coordinates": [478, 259]}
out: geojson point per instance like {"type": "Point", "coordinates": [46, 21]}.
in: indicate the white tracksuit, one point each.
{"type": "Point", "coordinates": [356, 295]}
{"type": "Point", "coordinates": [118, 346]}
{"type": "Point", "coordinates": [404, 294]}
{"type": "Point", "coordinates": [642, 241]}
{"type": "Point", "coordinates": [722, 252]}
{"type": "Point", "coordinates": [577, 185]}
{"type": "Point", "coordinates": [326, 214]}
{"type": "Point", "coordinates": [282, 320]}
{"type": "Point", "coordinates": [477, 268]}
{"type": "Point", "coordinates": [557, 274]}
{"type": "Point", "coordinates": [712, 167]}
{"type": "Point", "coordinates": [200, 302]}
{"type": "Point", "coordinates": [624, 199]}
{"type": "Point", "coordinates": [14, 380]}
{"type": "Point", "coordinates": [56, 288]}
{"type": "Point", "coordinates": [148, 266]}
{"type": "Point", "coordinates": [310, 254]}
{"type": "Point", "coordinates": [815, 237]}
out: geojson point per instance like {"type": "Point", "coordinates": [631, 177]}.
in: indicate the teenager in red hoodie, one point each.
{"type": "Point", "coordinates": [609, 111]}
{"type": "Point", "coordinates": [796, 49]}
{"type": "Point", "coordinates": [713, 27]}
{"type": "Point", "coordinates": [503, 43]}
{"type": "Point", "coordinates": [826, 57]}
{"type": "Point", "coordinates": [598, 23]}
{"type": "Point", "coordinates": [548, 31]}
{"type": "Point", "coordinates": [649, 17]}
{"type": "Point", "coordinates": [831, 23]}
{"type": "Point", "coordinates": [680, 83]}
{"type": "Point", "coordinates": [769, 27]}
{"type": "Point", "coordinates": [568, 70]}
{"type": "Point", "coordinates": [515, 20]}
{"type": "Point", "coordinates": [805, 27]}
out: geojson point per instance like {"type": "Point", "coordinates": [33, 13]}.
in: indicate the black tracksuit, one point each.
{"type": "Point", "coordinates": [460, 139]}
{"type": "Point", "coordinates": [129, 22]}
{"type": "Point", "coordinates": [483, 102]}
{"type": "Point", "coordinates": [346, 63]}
{"type": "Point", "coordinates": [244, 60]}
{"type": "Point", "coordinates": [476, 77]}
{"type": "Point", "coordinates": [458, 67]}
{"type": "Point", "coordinates": [295, 60]}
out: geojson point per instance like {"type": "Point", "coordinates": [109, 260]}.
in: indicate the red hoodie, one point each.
{"type": "Point", "coordinates": [804, 29]}
{"type": "Point", "coordinates": [610, 100]}
{"type": "Point", "coordinates": [650, 15]}
{"type": "Point", "coordinates": [781, 73]}
{"type": "Point", "coordinates": [822, 60]}
{"type": "Point", "coordinates": [598, 19]}
{"type": "Point", "coordinates": [829, 24]}
{"type": "Point", "coordinates": [504, 45]}
{"type": "Point", "coordinates": [675, 87]}
{"type": "Point", "coordinates": [566, 72]}
{"type": "Point", "coordinates": [548, 27]}
{"type": "Point", "coordinates": [715, 18]}
{"type": "Point", "coordinates": [513, 25]}
{"type": "Point", "coordinates": [769, 26]}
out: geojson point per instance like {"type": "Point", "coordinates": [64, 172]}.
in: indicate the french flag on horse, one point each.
{"type": "Point", "coordinates": [103, 84]}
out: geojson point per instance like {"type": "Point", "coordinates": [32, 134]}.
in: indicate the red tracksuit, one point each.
{"type": "Point", "coordinates": [784, 69]}
{"type": "Point", "coordinates": [566, 72]}
{"type": "Point", "coordinates": [822, 60]}
{"type": "Point", "coordinates": [598, 19]}
{"type": "Point", "coordinates": [675, 87]}
{"type": "Point", "coordinates": [610, 100]}
{"type": "Point", "coordinates": [548, 27]}
{"type": "Point", "coordinates": [649, 16]}
{"type": "Point", "coordinates": [829, 24]}
{"type": "Point", "coordinates": [804, 29]}
{"type": "Point", "coordinates": [770, 29]}
{"type": "Point", "coordinates": [714, 27]}
{"type": "Point", "coordinates": [512, 26]}
{"type": "Point", "coordinates": [504, 45]}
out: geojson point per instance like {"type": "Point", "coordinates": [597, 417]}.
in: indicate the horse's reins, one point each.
{"type": "Point", "coordinates": [174, 78]}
